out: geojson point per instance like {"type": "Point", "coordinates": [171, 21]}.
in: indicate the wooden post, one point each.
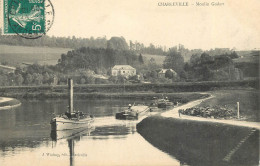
{"type": "Point", "coordinates": [70, 82]}
{"type": "Point", "coordinates": [238, 110]}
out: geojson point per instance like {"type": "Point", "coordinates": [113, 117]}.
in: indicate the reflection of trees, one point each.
{"type": "Point", "coordinates": [7, 119]}
{"type": "Point", "coordinates": [72, 136]}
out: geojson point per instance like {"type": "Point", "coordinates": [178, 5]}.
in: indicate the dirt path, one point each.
{"type": "Point", "coordinates": [174, 114]}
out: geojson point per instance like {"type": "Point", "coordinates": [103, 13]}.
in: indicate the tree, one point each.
{"type": "Point", "coordinates": [46, 78]}
{"type": "Point", "coordinates": [37, 78]}
{"type": "Point", "coordinates": [183, 75]}
{"type": "Point", "coordinates": [169, 74]}
{"type": "Point", "coordinates": [206, 58]}
{"type": "Point", "coordinates": [154, 74]}
{"type": "Point", "coordinates": [3, 80]}
{"type": "Point", "coordinates": [140, 59]}
{"type": "Point", "coordinates": [206, 73]}
{"type": "Point", "coordinates": [174, 60]}
{"type": "Point", "coordinates": [233, 55]}
{"type": "Point", "coordinates": [18, 70]}
{"type": "Point", "coordinates": [28, 79]}
{"type": "Point", "coordinates": [19, 79]}
{"type": "Point", "coordinates": [194, 59]}
{"type": "Point", "coordinates": [117, 43]}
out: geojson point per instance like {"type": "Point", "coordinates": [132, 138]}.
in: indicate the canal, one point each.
{"type": "Point", "coordinates": [26, 138]}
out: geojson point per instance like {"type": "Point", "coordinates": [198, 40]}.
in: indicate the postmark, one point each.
{"type": "Point", "coordinates": [29, 19]}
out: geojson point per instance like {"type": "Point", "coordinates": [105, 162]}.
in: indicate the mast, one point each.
{"type": "Point", "coordinates": [70, 83]}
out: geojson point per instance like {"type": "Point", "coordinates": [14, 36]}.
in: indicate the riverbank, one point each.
{"type": "Point", "coordinates": [8, 103]}
{"type": "Point", "coordinates": [183, 97]}
{"type": "Point", "coordinates": [248, 102]}
{"type": "Point", "coordinates": [202, 141]}
{"type": "Point", "coordinates": [113, 90]}
{"type": "Point", "coordinates": [174, 114]}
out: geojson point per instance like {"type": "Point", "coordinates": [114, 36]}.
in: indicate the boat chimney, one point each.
{"type": "Point", "coordinates": [70, 83]}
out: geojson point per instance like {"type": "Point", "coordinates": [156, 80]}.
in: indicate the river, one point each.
{"type": "Point", "coordinates": [26, 138]}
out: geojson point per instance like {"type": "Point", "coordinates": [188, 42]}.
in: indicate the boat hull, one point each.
{"type": "Point", "coordinates": [164, 105]}
{"type": "Point", "coordinates": [69, 124]}
{"type": "Point", "coordinates": [134, 114]}
{"type": "Point", "coordinates": [126, 116]}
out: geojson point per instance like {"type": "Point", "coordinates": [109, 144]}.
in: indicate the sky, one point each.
{"type": "Point", "coordinates": [236, 24]}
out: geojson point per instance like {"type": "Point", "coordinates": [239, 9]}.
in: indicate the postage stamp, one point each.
{"type": "Point", "coordinates": [27, 18]}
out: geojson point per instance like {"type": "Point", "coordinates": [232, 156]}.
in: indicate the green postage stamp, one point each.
{"type": "Point", "coordinates": [27, 18]}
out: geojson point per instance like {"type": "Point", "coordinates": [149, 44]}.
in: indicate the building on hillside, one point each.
{"type": "Point", "coordinates": [162, 72]}
{"type": "Point", "coordinates": [123, 70]}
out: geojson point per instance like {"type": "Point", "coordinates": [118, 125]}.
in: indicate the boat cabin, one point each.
{"type": "Point", "coordinates": [74, 115]}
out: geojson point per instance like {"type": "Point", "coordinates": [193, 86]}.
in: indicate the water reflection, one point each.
{"type": "Point", "coordinates": [71, 136]}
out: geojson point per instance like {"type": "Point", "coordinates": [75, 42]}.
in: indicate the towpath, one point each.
{"type": "Point", "coordinates": [174, 114]}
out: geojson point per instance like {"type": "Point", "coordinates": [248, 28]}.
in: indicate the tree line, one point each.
{"type": "Point", "coordinates": [74, 43]}
{"type": "Point", "coordinates": [83, 63]}
{"type": "Point", "coordinates": [203, 67]}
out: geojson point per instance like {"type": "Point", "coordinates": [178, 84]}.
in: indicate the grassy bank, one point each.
{"type": "Point", "coordinates": [248, 102]}
{"type": "Point", "coordinates": [107, 89]}
{"type": "Point", "coordinates": [200, 143]}
{"type": "Point", "coordinates": [175, 97]}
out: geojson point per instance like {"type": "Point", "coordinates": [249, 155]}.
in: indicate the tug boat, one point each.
{"type": "Point", "coordinates": [133, 112]}
{"type": "Point", "coordinates": [71, 119]}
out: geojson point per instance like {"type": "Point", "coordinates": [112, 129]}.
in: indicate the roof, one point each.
{"type": "Point", "coordinates": [163, 71]}
{"type": "Point", "coordinates": [123, 67]}
{"type": "Point", "coordinates": [100, 76]}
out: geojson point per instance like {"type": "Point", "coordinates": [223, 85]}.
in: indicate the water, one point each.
{"type": "Point", "coordinates": [26, 138]}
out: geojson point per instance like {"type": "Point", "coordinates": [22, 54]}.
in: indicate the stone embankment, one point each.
{"type": "Point", "coordinates": [202, 141]}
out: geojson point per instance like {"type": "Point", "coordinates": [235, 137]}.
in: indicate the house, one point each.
{"type": "Point", "coordinates": [161, 73]}
{"type": "Point", "coordinates": [123, 70]}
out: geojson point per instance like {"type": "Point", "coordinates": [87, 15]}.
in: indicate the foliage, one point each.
{"type": "Point", "coordinates": [207, 68]}
{"type": "Point", "coordinates": [117, 43]}
{"type": "Point", "coordinates": [140, 59]}
{"type": "Point", "coordinates": [99, 60]}
{"type": "Point", "coordinates": [175, 61]}
{"type": "Point", "coordinates": [169, 74]}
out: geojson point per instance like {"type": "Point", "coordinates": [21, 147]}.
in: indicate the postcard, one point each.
{"type": "Point", "coordinates": [140, 82]}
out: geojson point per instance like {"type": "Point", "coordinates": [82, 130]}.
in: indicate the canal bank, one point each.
{"type": "Point", "coordinates": [201, 141]}
{"type": "Point", "coordinates": [8, 103]}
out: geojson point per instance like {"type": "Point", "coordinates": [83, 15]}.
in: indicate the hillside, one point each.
{"type": "Point", "coordinates": [158, 58]}
{"type": "Point", "coordinates": [247, 59]}
{"type": "Point", "coordinates": [15, 55]}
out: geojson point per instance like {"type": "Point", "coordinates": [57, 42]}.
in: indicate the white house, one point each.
{"type": "Point", "coordinates": [124, 70]}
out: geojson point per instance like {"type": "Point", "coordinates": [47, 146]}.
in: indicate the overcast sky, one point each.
{"type": "Point", "coordinates": [236, 24]}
